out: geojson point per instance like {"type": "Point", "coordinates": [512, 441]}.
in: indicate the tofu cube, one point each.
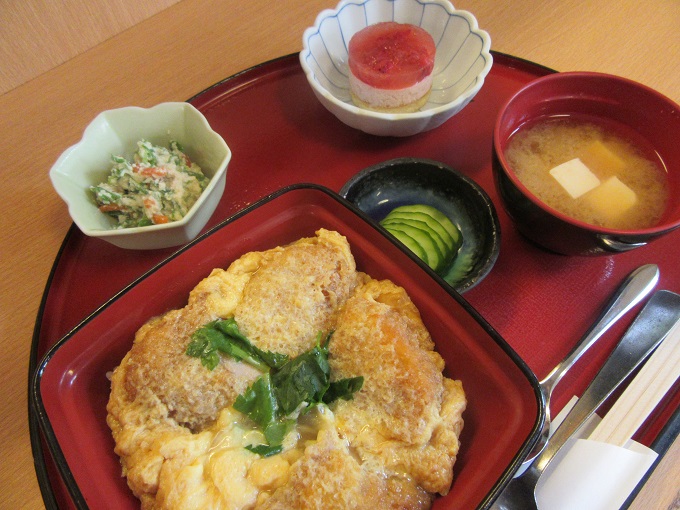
{"type": "Point", "coordinates": [611, 200]}
{"type": "Point", "coordinates": [575, 177]}
{"type": "Point", "coordinates": [601, 160]}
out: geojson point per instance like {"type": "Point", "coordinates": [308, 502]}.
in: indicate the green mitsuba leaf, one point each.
{"type": "Point", "coordinates": [230, 329]}
{"type": "Point", "coordinates": [224, 336]}
{"type": "Point", "coordinates": [258, 402]}
{"type": "Point", "coordinates": [264, 450]}
{"type": "Point", "coordinates": [286, 387]}
{"type": "Point", "coordinates": [303, 379]}
{"type": "Point", "coordinates": [343, 389]}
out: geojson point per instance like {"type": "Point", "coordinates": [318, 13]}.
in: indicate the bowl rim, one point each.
{"type": "Point", "coordinates": [139, 111]}
{"type": "Point", "coordinates": [506, 169]}
{"type": "Point", "coordinates": [424, 113]}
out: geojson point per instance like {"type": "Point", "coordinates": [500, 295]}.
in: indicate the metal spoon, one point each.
{"type": "Point", "coordinates": [634, 288]}
{"type": "Point", "coordinates": [650, 327]}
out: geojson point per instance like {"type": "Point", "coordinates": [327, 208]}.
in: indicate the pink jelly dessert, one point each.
{"type": "Point", "coordinates": [391, 67]}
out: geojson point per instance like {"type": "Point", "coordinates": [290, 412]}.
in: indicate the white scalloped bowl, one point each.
{"type": "Point", "coordinates": [462, 61]}
{"type": "Point", "coordinates": [117, 132]}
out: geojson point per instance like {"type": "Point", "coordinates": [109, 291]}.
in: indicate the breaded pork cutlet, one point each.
{"type": "Point", "coordinates": [394, 444]}
{"type": "Point", "coordinates": [281, 299]}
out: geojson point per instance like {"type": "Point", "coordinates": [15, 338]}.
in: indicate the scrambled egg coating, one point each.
{"type": "Point", "coordinates": [182, 445]}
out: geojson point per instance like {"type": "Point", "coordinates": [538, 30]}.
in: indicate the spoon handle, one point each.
{"type": "Point", "coordinates": [633, 289]}
{"type": "Point", "coordinates": [649, 328]}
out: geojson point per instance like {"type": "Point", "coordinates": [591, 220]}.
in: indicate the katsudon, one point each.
{"type": "Point", "coordinates": [289, 380]}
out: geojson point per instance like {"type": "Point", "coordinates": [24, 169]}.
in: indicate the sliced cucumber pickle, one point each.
{"type": "Point", "coordinates": [440, 246]}
{"type": "Point", "coordinates": [425, 218]}
{"type": "Point", "coordinates": [427, 232]}
{"type": "Point", "coordinates": [410, 243]}
{"type": "Point", "coordinates": [432, 256]}
{"type": "Point", "coordinates": [437, 215]}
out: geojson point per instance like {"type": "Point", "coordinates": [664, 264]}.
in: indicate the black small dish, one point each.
{"type": "Point", "coordinates": [378, 189]}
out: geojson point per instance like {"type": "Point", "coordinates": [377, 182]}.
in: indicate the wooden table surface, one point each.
{"type": "Point", "coordinates": [195, 43]}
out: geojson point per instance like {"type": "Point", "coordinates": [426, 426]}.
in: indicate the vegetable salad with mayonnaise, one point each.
{"type": "Point", "coordinates": [159, 186]}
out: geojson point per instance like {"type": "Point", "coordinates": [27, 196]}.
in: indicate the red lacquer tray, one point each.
{"type": "Point", "coordinates": [539, 302]}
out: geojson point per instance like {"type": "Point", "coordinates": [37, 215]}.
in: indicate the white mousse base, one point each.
{"type": "Point", "coordinates": [409, 99]}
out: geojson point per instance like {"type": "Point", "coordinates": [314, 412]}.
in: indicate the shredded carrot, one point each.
{"type": "Point", "coordinates": [110, 208]}
{"type": "Point", "coordinates": [150, 171]}
{"type": "Point", "coordinates": [149, 203]}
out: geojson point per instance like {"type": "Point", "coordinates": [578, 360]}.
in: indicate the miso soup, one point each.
{"type": "Point", "coordinates": [609, 179]}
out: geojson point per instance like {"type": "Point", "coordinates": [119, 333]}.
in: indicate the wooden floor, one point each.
{"type": "Point", "coordinates": [38, 35]}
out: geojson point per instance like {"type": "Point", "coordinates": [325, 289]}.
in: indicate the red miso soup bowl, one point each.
{"type": "Point", "coordinates": [615, 101]}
